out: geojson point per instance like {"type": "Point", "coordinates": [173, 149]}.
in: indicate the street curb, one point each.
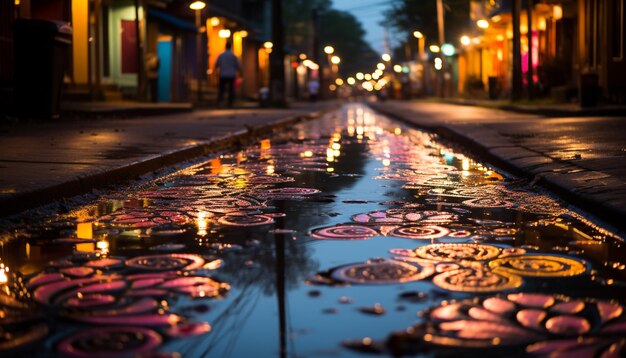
{"type": "Point", "coordinates": [123, 112]}
{"type": "Point", "coordinates": [544, 111]}
{"type": "Point", "coordinates": [609, 213]}
{"type": "Point", "coordinates": [85, 183]}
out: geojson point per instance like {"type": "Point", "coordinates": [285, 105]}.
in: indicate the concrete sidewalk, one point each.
{"type": "Point", "coordinates": [542, 109]}
{"type": "Point", "coordinates": [121, 109]}
{"type": "Point", "coordinates": [583, 159]}
{"type": "Point", "coordinates": [45, 161]}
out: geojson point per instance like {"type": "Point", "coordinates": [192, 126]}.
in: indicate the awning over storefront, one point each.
{"type": "Point", "coordinates": [172, 20]}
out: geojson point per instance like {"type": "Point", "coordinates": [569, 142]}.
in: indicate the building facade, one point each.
{"type": "Point", "coordinates": [117, 44]}
{"type": "Point", "coordinates": [565, 44]}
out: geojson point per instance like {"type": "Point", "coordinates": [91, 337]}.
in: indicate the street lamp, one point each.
{"type": "Point", "coordinates": [386, 57]}
{"type": "Point", "coordinates": [329, 50]}
{"type": "Point", "coordinates": [335, 60]}
{"type": "Point", "coordinates": [421, 40]}
{"type": "Point", "coordinates": [198, 6]}
{"type": "Point", "coordinates": [448, 49]}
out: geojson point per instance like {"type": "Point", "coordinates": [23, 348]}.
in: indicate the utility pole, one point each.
{"type": "Point", "coordinates": [277, 57]}
{"type": "Point", "coordinates": [516, 91]}
{"type": "Point", "coordinates": [140, 58]}
{"type": "Point", "coordinates": [529, 36]}
{"type": "Point", "coordinates": [442, 40]}
{"type": "Point", "coordinates": [440, 22]}
{"type": "Point", "coordinates": [316, 50]}
{"type": "Point", "coordinates": [199, 54]}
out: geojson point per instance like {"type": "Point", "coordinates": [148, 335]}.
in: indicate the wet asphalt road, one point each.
{"type": "Point", "coordinates": [325, 239]}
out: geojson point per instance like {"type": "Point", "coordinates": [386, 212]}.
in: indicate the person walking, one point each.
{"type": "Point", "coordinates": [313, 88]}
{"type": "Point", "coordinates": [228, 66]}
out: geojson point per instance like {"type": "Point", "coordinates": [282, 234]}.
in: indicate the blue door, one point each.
{"type": "Point", "coordinates": [164, 86]}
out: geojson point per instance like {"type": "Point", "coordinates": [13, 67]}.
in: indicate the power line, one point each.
{"type": "Point", "coordinates": [388, 2]}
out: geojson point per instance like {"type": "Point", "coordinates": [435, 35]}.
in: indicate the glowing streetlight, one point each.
{"type": "Point", "coordinates": [329, 50]}
{"type": "Point", "coordinates": [339, 81]}
{"type": "Point", "coordinates": [438, 64]}
{"type": "Point", "coordinates": [197, 5]}
{"type": "Point", "coordinates": [386, 57]}
{"type": "Point", "coordinates": [359, 76]}
{"type": "Point", "coordinates": [215, 21]}
{"type": "Point", "coordinates": [421, 42]}
{"type": "Point", "coordinates": [351, 80]}
{"type": "Point", "coordinates": [482, 23]}
{"type": "Point", "coordinates": [434, 48]}
{"type": "Point", "coordinates": [557, 12]}
{"type": "Point", "coordinates": [268, 45]}
{"type": "Point", "coordinates": [367, 77]}
{"type": "Point", "coordinates": [447, 49]}
{"type": "Point", "coordinates": [335, 60]}
{"type": "Point", "coordinates": [224, 33]}
{"type": "Point", "coordinates": [380, 66]}
{"type": "Point", "coordinates": [397, 68]}
{"type": "Point", "coordinates": [243, 33]}
{"type": "Point", "coordinates": [465, 40]}
{"type": "Point", "coordinates": [302, 56]}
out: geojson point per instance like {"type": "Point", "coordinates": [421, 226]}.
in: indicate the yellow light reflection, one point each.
{"type": "Point", "coordinates": [202, 223]}
{"type": "Point", "coordinates": [103, 246]}
{"type": "Point", "coordinates": [270, 169]}
{"type": "Point", "coordinates": [386, 162]}
{"type": "Point", "coordinates": [84, 230]}
{"type": "Point", "coordinates": [307, 154]}
{"type": "Point", "coordinates": [465, 165]}
{"type": "Point", "coordinates": [3, 274]}
{"type": "Point", "coordinates": [266, 146]}
{"type": "Point", "coordinates": [216, 166]}
{"type": "Point", "coordinates": [397, 131]}
{"type": "Point", "coordinates": [86, 247]}
{"type": "Point", "coordinates": [336, 146]}
{"type": "Point", "coordinates": [240, 157]}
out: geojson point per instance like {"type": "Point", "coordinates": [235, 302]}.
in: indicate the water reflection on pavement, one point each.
{"type": "Point", "coordinates": [344, 235]}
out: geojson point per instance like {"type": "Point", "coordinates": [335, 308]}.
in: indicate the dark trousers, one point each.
{"type": "Point", "coordinates": [153, 83]}
{"type": "Point", "coordinates": [230, 83]}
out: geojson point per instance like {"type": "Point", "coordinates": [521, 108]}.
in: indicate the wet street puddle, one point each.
{"type": "Point", "coordinates": [346, 235]}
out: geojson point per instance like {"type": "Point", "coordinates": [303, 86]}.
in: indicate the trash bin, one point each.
{"type": "Point", "coordinates": [492, 81]}
{"type": "Point", "coordinates": [588, 90]}
{"type": "Point", "coordinates": [41, 50]}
